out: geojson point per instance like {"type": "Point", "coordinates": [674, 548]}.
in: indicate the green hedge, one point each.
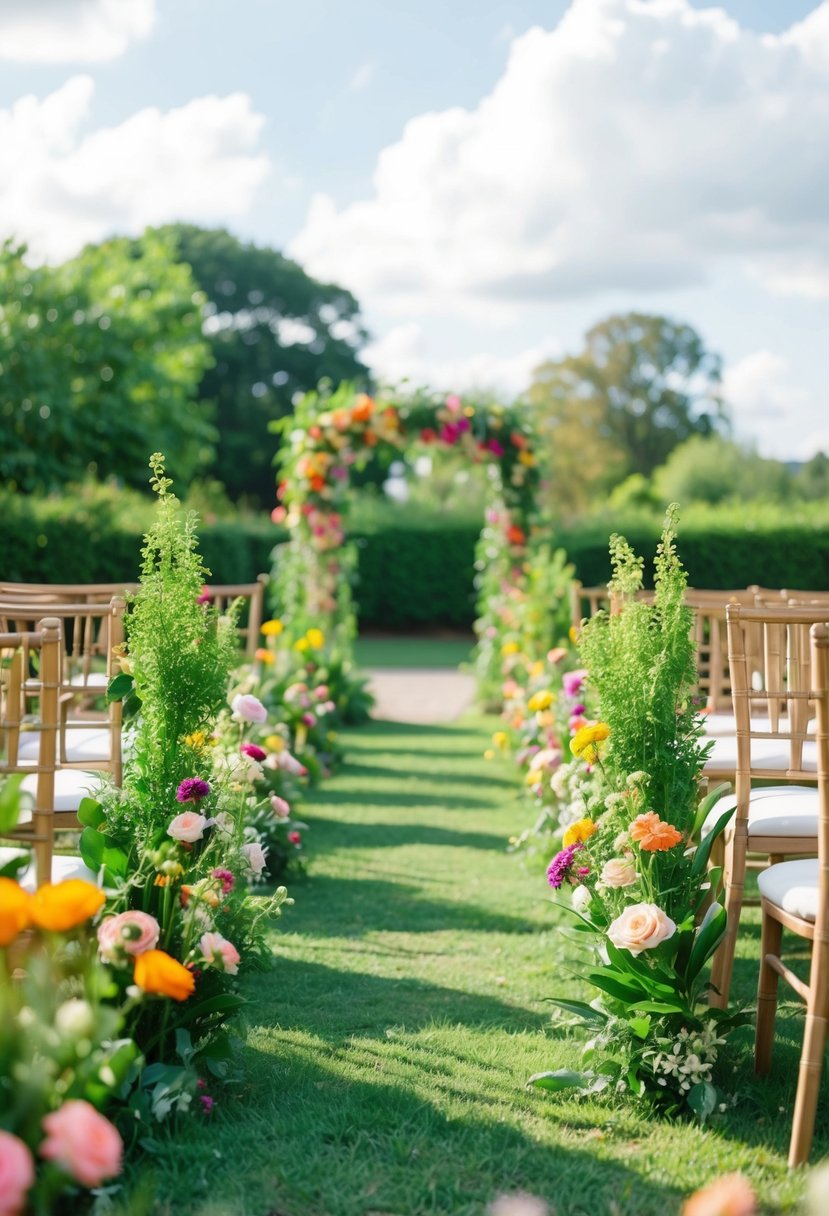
{"type": "Point", "coordinates": [410, 576]}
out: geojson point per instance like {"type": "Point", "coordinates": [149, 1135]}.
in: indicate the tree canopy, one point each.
{"type": "Point", "coordinates": [99, 362]}
{"type": "Point", "coordinates": [274, 333]}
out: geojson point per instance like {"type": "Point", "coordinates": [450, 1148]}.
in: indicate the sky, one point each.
{"type": "Point", "coordinates": [490, 179]}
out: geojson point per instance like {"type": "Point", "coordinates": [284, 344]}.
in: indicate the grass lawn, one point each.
{"type": "Point", "coordinates": [386, 1052]}
{"type": "Point", "coordinates": [412, 652]}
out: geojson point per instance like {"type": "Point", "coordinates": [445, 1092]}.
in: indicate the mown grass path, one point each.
{"type": "Point", "coordinates": [388, 1048]}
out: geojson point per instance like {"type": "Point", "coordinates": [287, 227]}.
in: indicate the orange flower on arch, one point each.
{"type": "Point", "coordinates": [159, 973]}
{"type": "Point", "coordinates": [64, 905]}
{"type": "Point", "coordinates": [652, 834]}
{"type": "Point", "coordinates": [363, 408]}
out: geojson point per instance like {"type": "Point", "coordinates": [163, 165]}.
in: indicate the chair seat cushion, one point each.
{"type": "Point", "coordinates": [775, 810]}
{"type": "Point", "coordinates": [91, 743]}
{"type": "Point", "coordinates": [772, 754]}
{"type": "Point", "coordinates": [792, 886]}
{"type": "Point", "coordinates": [94, 679]}
{"type": "Point", "coordinates": [71, 785]}
{"type": "Point", "coordinates": [718, 724]}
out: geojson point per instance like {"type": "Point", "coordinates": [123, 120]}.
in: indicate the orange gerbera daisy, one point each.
{"type": "Point", "coordinates": [652, 834]}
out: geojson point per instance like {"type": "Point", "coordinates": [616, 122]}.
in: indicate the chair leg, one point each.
{"type": "Point", "coordinates": [811, 1058]}
{"type": "Point", "coordinates": [770, 938]}
{"type": "Point", "coordinates": [735, 871]}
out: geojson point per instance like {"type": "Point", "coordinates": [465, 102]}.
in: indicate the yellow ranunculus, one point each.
{"type": "Point", "coordinates": [15, 910]}
{"type": "Point", "coordinates": [272, 629]}
{"type": "Point", "coordinates": [509, 648]}
{"type": "Point", "coordinates": [500, 738]}
{"type": "Point", "coordinates": [540, 700]}
{"type": "Point", "coordinates": [316, 639]}
{"type": "Point", "coordinates": [263, 655]}
{"type": "Point", "coordinates": [64, 905]}
{"type": "Point", "coordinates": [159, 974]}
{"type": "Point", "coordinates": [301, 644]}
{"type": "Point", "coordinates": [275, 743]}
{"type": "Point", "coordinates": [586, 741]}
{"type": "Point", "coordinates": [578, 832]}
{"type": "Point", "coordinates": [527, 459]}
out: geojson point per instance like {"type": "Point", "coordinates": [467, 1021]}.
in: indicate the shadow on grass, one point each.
{"type": "Point", "coordinates": [349, 907]}
{"type": "Point", "coordinates": [395, 797]}
{"type": "Point", "coordinates": [358, 769]}
{"type": "Point", "coordinates": [339, 834]}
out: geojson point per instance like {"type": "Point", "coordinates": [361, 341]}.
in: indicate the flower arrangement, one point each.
{"type": "Point", "coordinates": [638, 877]}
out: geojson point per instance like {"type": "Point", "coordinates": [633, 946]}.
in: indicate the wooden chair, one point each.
{"type": "Point", "coordinates": [66, 593]}
{"type": "Point", "coordinates": [20, 653]}
{"type": "Point", "coordinates": [586, 602]}
{"type": "Point", "coordinates": [222, 595]}
{"type": "Point", "coordinates": [773, 743]}
{"type": "Point", "coordinates": [795, 896]}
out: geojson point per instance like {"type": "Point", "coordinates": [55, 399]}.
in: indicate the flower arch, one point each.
{"type": "Point", "coordinates": [328, 437]}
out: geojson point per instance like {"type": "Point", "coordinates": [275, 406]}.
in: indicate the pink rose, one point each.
{"type": "Point", "coordinates": [82, 1142]}
{"type": "Point", "coordinates": [127, 933]}
{"type": "Point", "coordinates": [618, 872]}
{"type": "Point", "coordinates": [280, 806]}
{"type": "Point", "coordinates": [17, 1173]}
{"type": "Point", "coordinates": [286, 763]}
{"type": "Point", "coordinates": [219, 952]}
{"type": "Point", "coordinates": [641, 927]}
{"type": "Point", "coordinates": [247, 708]}
{"type": "Point", "coordinates": [188, 826]}
{"type": "Point", "coordinates": [254, 854]}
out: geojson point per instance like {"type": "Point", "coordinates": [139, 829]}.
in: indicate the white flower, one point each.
{"type": "Point", "coordinates": [580, 898]}
{"type": "Point", "coordinates": [254, 855]}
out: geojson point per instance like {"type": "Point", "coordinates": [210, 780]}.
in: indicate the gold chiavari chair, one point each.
{"type": "Point", "coordinates": [223, 595]}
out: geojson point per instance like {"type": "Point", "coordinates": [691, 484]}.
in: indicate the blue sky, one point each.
{"type": "Point", "coordinates": [631, 154]}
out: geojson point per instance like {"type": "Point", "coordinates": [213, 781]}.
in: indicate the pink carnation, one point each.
{"type": "Point", "coordinates": [188, 826]}
{"type": "Point", "coordinates": [17, 1173]}
{"type": "Point", "coordinates": [247, 708]}
{"type": "Point", "coordinates": [280, 806]}
{"type": "Point", "coordinates": [127, 933]}
{"type": "Point", "coordinates": [82, 1142]}
{"type": "Point", "coordinates": [219, 952]}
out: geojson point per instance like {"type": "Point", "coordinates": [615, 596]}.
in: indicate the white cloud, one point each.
{"type": "Point", "coordinates": [66, 31]}
{"type": "Point", "coordinates": [405, 353]}
{"type": "Point", "coordinates": [63, 188]}
{"type": "Point", "coordinates": [786, 421]}
{"type": "Point", "coordinates": [633, 147]}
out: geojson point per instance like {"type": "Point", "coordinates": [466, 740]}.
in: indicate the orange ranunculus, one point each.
{"type": "Point", "coordinates": [369, 438]}
{"type": "Point", "coordinates": [64, 905]}
{"type": "Point", "coordinates": [263, 655]}
{"type": "Point", "coordinates": [159, 973]}
{"type": "Point", "coordinates": [585, 743]}
{"type": "Point", "coordinates": [15, 910]}
{"type": "Point", "coordinates": [316, 483]}
{"type": "Point", "coordinates": [516, 535]}
{"type": "Point", "coordinates": [652, 834]}
{"type": "Point", "coordinates": [363, 408]}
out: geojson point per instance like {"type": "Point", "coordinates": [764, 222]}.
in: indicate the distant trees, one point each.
{"type": "Point", "coordinates": [641, 386]}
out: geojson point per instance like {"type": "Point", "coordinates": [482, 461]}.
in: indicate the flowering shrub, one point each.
{"type": "Point", "coordinates": [638, 876]}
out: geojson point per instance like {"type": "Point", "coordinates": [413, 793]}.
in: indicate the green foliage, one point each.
{"type": "Point", "coordinates": [273, 332]}
{"type": "Point", "coordinates": [713, 469]}
{"type": "Point", "coordinates": [99, 362]}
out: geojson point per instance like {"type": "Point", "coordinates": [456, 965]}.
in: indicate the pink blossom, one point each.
{"type": "Point", "coordinates": [294, 838]}
{"type": "Point", "coordinates": [225, 877]}
{"type": "Point", "coordinates": [130, 932]}
{"type": "Point", "coordinates": [286, 763]}
{"type": "Point", "coordinates": [321, 692]}
{"type": "Point", "coordinates": [189, 826]}
{"type": "Point", "coordinates": [252, 750]}
{"type": "Point", "coordinates": [278, 515]}
{"type": "Point", "coordinates": [17, 1173]}
{"type": "Point", "coordinates": [247, 708]}
{"type": "Point", "coordinates": [453, 402]}
{"type": "Point", "coordinates": [309, 720]}
{"type": "Point", "coordinates": [495, 448]}
{"type": "Point", "coordinates": [280, 806]}
{"type": "Point", "coordinates": [254, 855]}
{"type": "Point", "coordinates": [82, 1142]}
{"type": "Point", "coordinates": [219, 952]}
{"type": "Point", "coordinates": [572, 682]}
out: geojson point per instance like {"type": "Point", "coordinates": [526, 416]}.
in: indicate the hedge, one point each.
{"type": "Point", "coordinates": [410, 576]}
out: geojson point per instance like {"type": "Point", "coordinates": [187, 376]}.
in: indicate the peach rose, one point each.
{"type": "Point", "coordinates": [618, 872]}
{"type": "Point", "coordinates": [641, 927]}
{"type": "Point", "coordinates": [728, 1196]}
{"type": "Point", "coordinates": [17, 1173]}
{"type": "Point", "coordinates": [82, 1142]}
{"type": "Point", "coordinates": [188, 826]}
{"type": "Point", "coordinates": [219, 952]}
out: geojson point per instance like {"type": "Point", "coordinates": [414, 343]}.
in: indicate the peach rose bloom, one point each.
{"type": "Point", "coordinates": [641, 927]}
{"type": "Point", "coordinates": [728, 1196]}
{"type": "Point", "coordinates": [618, 872]}
{"type": "Point", "coordinates": [188, 826]}
{"type": "Point", "coordinates": [17, 1173]}
{"type": "Point", "coordinates": [128, 933]}
{"type": "Point", "coordinates": [82, 1142]}
{"type": "Point", "coordinates": [221, 953]}
{"type": "Point", "coordinates": [653, 834]}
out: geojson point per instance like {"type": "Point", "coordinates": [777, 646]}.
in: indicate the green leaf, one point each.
{"type": "Point", "coordinates": [705, 846]}
{"type": "Point", "coordinates": [702, 1099]}
{"type": "Point", "coordinates": [10, 802]}
{"type": "Point", "coordinates": [707, 805]}
{"type": "Point", "coordinates": [91, 813]}
{"type": "Point", "coordinates": [12, 868]}
{"type": "Point", "coordinates": [222, 1003]}
{"type": "Point", "coordinates": [640, 1026]}
{"type": "Point", "coordinates": [640, 970]}
{"type": "Point", "coordinates": [562, 1078]}
{"type": "Point", "coordinates": [709, 935]}
{"type": "Point", "coordinates": [92, 848]}
{"type": "Point", "coordinates": [119, 687]}
{"type": "Point", "coordinates": [660, 1007]}
{"type": "Point", "coordinates": [580, 1009]}
{"type": "Point", "coordinates": [615, 986]}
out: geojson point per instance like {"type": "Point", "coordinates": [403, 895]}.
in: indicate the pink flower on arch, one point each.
{"type": "Point", "coordinates": [17, 1174]}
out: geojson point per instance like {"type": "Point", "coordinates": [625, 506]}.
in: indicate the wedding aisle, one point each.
{"type": "Point", "coordinates": [388, 1048]}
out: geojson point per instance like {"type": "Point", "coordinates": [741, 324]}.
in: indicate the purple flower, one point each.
{"type": "Point", "coordinates": [572, 682]}
{"type": "Point", "coordinates": [207, 1103]}
{"type": "Point", "coordinates": [251, 749]}
{"type": "Point", "coordinates": [226, 878]}
{"type": "Point", "coordinates": [192, 789]}
{"type": "Point", "coordinates": [205, 597]}
{"type": "Point", "coordinates": [561, 865]}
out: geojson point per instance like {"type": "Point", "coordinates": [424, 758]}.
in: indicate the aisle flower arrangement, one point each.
{"type": "Point", "coordinates": [633, 866]}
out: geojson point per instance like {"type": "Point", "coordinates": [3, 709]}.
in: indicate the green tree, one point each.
{"type": "Point", "coordinates": [812, 478]}
{"type": "Point", "coordinates": [712, 469]}
{"type": "Point", "coordinates": [275, 333]}
{"type": "Point", "coordinates": [641, 386]}
{"type": "Point", "coordinates": [99, 362]}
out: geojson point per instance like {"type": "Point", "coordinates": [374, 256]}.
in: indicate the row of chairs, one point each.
{"type": "Point", "coordinates": [58, 651]}
{"type": "Point", "coordinates": [775, 668]}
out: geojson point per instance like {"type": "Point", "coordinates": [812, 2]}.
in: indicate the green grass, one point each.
{"type": "Point", "coordinates": [412, 652]}
{"type": "Point", "coordinates": [386, 1052]}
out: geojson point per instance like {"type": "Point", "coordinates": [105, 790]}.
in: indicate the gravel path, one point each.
{"type": "Point", "coordinates": [421, 695]}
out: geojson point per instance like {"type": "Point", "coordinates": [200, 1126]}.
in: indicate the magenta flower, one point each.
{"type": "Point", "coordinates": [294, 838]}
{"type": "Point", "coordinates": [251, 749]}
{"type": "Point", "coordinates": [226, 878]}
{"type": "Point", "coordinates": [205, 597]}
{"type": "Point", "coordinates": [192, 789]}
{"type": "Point", "coordinates": [561, 865]}
{"type": "Point", "coordinates": [207, 1103]}
{"type": "Point", "coordinates": [572, 682]}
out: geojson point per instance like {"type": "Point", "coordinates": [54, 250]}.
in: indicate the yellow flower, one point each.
{"type": "Point", "coordinates": [500, 738]}
{"type": "Point", "coordinates": [15, 910]}
{"type": "Point", "coordinates": [540, 700]}
{"type": "Point", "coordinates": [301, 645]}
{"type": "Point", "coordinates": [272, 629]}
{"type": "Point", "coordinates": [316, 639]}
{"type": "Point", "coordinates": [275, 743]}
{"type": "Point", "coordinates": [489, 754]}
{"type": "Point", "coordinates": [198, 739]}
{"type": "Point", "coordinates": [159, 973]}
{"type": "Point", "coordinates": [263, 655]}
{"type": "Point", "coordinates": [578, 832]}
{"type": "Point", "coordinates": [527, 459]}
{"type": "Point", "coordinates": [585, 742]}
{"type": "Point", "coordinates": [537, 669]}
{"type": "Point", "coordinates": [573, 634]}
{"type": "Point", "coordinates": [63, 905]}
{"type": "Point", "coordinates": [509, 648]}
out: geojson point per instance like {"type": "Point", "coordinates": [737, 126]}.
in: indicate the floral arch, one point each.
{"type": "Point", "coordinates": [330, 436]}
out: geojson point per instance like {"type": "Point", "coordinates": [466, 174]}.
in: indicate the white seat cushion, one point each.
{"type": "Point", "coordinates": [63, 866]}
{"type": "Point", "coordinates": [792, 886]}
{"type": "Point", "coordinates": [95, 679]}
{"type": "Point", "coordinates": [776, 810]}
{"type": "Point", "coordinates": [718, 724]}
{"type": "Point", "coordinates": [90, 743]}
{"type": "Point", "coordinates": [765, 754]}
{"type": "Point", "coordinates": [71, 785]}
